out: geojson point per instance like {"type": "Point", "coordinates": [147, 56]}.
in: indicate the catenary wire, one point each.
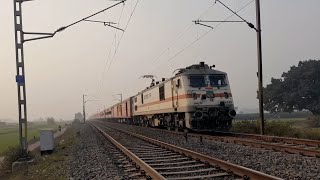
{"type": "Point", "coordinates": [100, 85]}
{"type": "Point", "coordinates": [214, 28]}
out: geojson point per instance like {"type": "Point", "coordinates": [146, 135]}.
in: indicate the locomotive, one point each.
{"type": "Point", "coordinates": [197, 98]}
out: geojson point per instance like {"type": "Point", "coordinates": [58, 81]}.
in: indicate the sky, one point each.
{"type": "Point", "coordinates": [159, 37]}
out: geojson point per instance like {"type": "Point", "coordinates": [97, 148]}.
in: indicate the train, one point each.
{"type": "Point", "coordinates": [196, 98]}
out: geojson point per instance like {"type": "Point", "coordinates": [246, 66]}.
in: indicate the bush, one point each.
{"type": "Point", "coordinates": [276, 128]}
{"type": "Point", "coordinates": [273, 128]}
{"type": "Point", "coordinates": [11, 155]}
{"type": "Point", "coordinates": [245, 126]}
{"type": "Point", "coordinates": [311, 134]}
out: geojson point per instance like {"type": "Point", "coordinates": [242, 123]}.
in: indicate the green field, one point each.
{"type": "Point", "coordinates": [10, 136]}
{"type": "Point", "coordinates": [307, 128]}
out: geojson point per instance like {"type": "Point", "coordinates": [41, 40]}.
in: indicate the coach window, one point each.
{"type": "Point", "coordinates": [161, 93]}
{"type": "Point", "coordinates": [141, 98]}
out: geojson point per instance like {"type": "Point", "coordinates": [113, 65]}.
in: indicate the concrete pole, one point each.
{"type": "Point", "coordinates": [260, 77]}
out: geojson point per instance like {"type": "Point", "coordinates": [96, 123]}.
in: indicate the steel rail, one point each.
{"type": "Point", "coordinates": [236, 138]}
{"type": "Point", "coordinates": [229, 167]}
{"type": "Point", "coordinates": [277, 147]}
{"type": "Point", "coordinates": [307, 142]}
{"type": "Point", "coordinates": [149, 170]}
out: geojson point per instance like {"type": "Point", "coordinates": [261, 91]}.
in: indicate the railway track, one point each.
{"type": "Point", "coordinates": [158, 160]}
{"type": "Point", "coordinates": [304, 147]}
{"type": "Point", "coordinates": [290, 145]}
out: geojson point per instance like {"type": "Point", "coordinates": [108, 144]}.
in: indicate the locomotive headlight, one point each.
{"type": "Point", "coordinates": [194, 95]}
{"type": "Point", "coordinates": [232, 113]}
{"type": "Point", "coordinates": [198, 114]}
{"type": "Point", "coordinates": [203, 96]}
{"type": "Point", "coordinates": [226, 95]}
{"type": "Point", "coordinates": [211, 114]}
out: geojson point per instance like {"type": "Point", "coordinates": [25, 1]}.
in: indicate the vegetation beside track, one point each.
{"type": "Point", "coordinates": [297, 128]}
{"type": "Point", "coordinates": [53, 166]}
{"type": "Point", "coordinates": [9, 137]}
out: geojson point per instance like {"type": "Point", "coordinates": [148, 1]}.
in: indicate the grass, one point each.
{"type": "Point", "coordinates": [9, 137]}
{"type": "Point", "coordinates": [297, 128]}
{"type": "Point", "coordinates": [53, 166]}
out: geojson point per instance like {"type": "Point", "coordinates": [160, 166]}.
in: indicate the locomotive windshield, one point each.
{"type": "Point", "coordinates": [217, 80]}
{"type": "Point", "coordinates": [197, 81]}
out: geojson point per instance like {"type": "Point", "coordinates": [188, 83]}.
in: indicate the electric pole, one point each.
{"type": "Point", "coordinates": [19, 52]}
{"type": "Point", "coordinates": [84, 108]}
{"type": "Point", "coordinates": [259, 53]}
{"type": "Point", "coordinates": [20, 77]}
{"type": "Point", "coordinates": [105, 113]}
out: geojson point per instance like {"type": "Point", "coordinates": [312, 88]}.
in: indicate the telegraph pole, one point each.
{"type": "Point", "coordinates": [259, 53]}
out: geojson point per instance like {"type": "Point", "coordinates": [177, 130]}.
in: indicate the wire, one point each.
{"type": "Point", "coordinates": [213, 28]}
{"type": "Point", "coordinates": [187, 28]}
{"type": "Point", "coordinates": [235, 13]}
{"type": "Point", "coordinates": [117, 47]}
{"type": "Point", "coordinates": [108, 57]}
{"type": "Point", "coordinates": [65, 27]}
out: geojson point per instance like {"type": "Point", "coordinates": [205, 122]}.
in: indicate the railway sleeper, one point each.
{"type": "Point", "coordinates": [208, 170]}
{"type": "Point", "coordinates": [181, 159]}
{"type": "Point", "coordinates": [169, 169]}
{"type": "Point", "coordinates": [165, 157]}
{"type": "Point", "coordinates": [174, 163]}
{"type": "Point", "coordinates": [205, 176]}
{"type": "Point", "coordinates": [156, 155]}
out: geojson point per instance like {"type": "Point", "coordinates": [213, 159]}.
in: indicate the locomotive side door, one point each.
{"type": "Point", "coordinates": [175, 86]}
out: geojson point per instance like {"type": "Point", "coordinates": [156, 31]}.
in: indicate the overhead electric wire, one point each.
{"type": "Point", "coordinates": [212, 28]}
{"type": "Point", "coordinates": [100, 84]}
{"type": "Point", "coordinates": [83, 19]}
{"type": "Point", "coordinates": [116, 47]}
{"type": "Point", "coordinates": [179, 35]}
{"type": "Point", "coordinates": [187, 28]}
{"type": "Point", "coordinates": [235, 13]}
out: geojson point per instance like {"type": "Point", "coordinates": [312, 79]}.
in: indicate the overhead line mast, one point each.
{"type": "Point", "coordinates": [259, 52]}
{"type": "Point", "coordinates": [20, 77]}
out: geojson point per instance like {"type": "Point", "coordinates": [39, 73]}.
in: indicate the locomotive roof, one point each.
{"type": "Point", "coordinates": [194, 69]}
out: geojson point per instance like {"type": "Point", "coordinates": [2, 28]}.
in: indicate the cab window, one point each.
{"type": "Point", "coordinates": [197, 81]}
{"type": "Point", "coordinates": [217, 80]}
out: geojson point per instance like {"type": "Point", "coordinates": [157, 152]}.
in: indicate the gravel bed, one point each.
{"type": "Point", "coordinates": [132, 143]}
{"type": "Point", "coordinates": [91, 158]}
{"type": "Point", "coordinates": [283, 165]}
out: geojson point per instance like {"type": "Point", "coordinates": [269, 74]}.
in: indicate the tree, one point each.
{"type": "Point", "coordinates": [51, 121]}
{"type": "Point", "coordinates": [297, 89]}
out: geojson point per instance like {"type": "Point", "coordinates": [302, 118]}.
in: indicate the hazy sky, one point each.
{"type": "Point", "coordinates": [59, 70]}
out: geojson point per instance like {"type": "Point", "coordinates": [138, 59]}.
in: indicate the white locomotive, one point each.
{"type": "Point", "coordinates": [197, 97]}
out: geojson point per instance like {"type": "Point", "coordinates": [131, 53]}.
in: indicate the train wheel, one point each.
{"type": "Point", "coordinates": [176, 129]}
